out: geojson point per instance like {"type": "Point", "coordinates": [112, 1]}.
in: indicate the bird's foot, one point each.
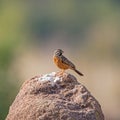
{"type": "Point", "coordinates": [60, 73]}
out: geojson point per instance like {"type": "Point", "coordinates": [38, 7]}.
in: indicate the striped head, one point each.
{"type": "Point", "coordinates": [58, 52]}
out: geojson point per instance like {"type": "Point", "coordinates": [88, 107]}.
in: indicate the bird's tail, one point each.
{"type": "Point", "coordinates": [78, 72]}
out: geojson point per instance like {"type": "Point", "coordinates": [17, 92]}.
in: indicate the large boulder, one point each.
{"type": "Point", "coordinates": [54, 97]}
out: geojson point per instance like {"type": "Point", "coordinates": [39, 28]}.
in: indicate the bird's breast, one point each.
{"type": "Point", "coordinates": [59, 63]}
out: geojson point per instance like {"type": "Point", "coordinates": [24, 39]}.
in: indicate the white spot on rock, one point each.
{"type": "Point", "coordinates": [50, 77]}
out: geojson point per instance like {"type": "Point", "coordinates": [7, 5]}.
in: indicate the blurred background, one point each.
{"type": "Point", "coordinates": [88, 32]}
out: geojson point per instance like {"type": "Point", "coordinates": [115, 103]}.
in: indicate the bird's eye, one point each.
{"type": "Point", "coordinates": [58, 53]}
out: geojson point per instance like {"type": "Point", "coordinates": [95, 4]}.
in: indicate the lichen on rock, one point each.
{"type": "Point", "coordinates": [54, 97]}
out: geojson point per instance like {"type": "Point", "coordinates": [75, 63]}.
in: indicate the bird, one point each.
{"type": "Point", "coordinates": [63, 63]}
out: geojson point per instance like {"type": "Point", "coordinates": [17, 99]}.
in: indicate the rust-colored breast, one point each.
{"type": "Point", "coordinates": [60, 63]}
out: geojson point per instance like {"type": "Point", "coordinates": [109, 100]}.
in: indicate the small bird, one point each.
{"type": "Point", "coordinates": [63, 63]}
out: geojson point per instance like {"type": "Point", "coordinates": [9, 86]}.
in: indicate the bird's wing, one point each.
{"type": "Point", "coordinates": [67, 62]}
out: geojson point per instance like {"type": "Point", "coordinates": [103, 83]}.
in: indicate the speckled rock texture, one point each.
{"type": "Point", "coordinates": [64, 99]}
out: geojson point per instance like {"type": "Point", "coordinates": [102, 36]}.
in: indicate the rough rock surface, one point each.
{"type": "Point", "coordinates": [61, 99]}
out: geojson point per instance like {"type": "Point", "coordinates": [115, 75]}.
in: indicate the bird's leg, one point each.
{"type": "Point", "coordinates": [61, 72]}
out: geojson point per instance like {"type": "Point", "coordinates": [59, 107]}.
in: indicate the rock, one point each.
{"type": "Point", "coordinates": [54, 97]}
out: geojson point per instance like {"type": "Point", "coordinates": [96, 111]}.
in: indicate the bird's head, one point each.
{"type": "Point", "coordinates": [58, 52]}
